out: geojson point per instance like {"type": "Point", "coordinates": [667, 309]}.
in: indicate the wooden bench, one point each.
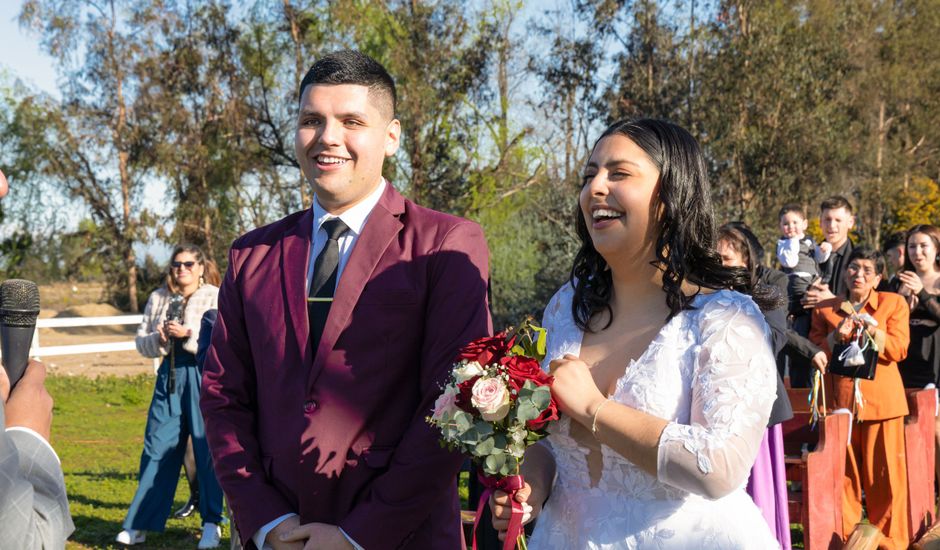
{"type": "Point", "coordinates": [919, 448]}
{"type": "Point", "coordinates": [817, 504]}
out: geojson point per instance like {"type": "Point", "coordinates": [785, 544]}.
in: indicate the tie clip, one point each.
{"type": "Point", "coordinates": [319, 299]}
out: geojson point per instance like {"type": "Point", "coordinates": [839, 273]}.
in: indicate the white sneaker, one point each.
{"type": "Point", "coordinates": [129, 537]}
{"type": "Point", "coordinates": [211, 536]}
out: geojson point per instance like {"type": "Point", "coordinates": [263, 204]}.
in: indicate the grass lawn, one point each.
{"type": "Point", "coordinates": [98, 432]}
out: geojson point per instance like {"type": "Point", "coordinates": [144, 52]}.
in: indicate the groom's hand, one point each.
{"type": "Point", "coordinates": [274, 535]}
{"type": "Point", "coordinates": [318, 536]}
{"type": "Point", "coordinates": [501, 509]}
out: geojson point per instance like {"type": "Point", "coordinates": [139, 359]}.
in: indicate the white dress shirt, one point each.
{"type": "Point", "coordinates": [355, 218]}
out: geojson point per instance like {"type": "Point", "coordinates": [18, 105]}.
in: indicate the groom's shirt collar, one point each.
{"type": "Point", "coordinates": [355, 218]}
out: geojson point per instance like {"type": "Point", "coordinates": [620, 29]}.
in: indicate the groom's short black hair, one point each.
{"type": "Point", "coordinates": [353, 67]}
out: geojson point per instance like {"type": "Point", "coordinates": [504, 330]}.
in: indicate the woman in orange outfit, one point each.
{"type": "Point", "coordinates": [875, 461]}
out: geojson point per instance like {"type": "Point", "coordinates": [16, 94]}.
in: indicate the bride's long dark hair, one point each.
{"type": "Point", "coordinates": [685, 246]}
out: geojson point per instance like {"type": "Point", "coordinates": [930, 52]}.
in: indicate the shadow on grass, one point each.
{"type": "Point", "coordinates": [95, 503]}
{"type": "Point", "coordinates": [120, 476]}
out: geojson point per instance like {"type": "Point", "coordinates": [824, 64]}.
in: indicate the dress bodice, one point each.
{"type": "Point", "coordinates": [709, 372]}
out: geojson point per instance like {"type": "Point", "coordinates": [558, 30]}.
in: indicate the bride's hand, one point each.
{"type": "Point", "coordinates": [501, 509]}
{"type": "Point", "coordinates": [574, 388]}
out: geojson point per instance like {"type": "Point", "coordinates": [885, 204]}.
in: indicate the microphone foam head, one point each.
{"type": "Point", "coordinates": [19, 302]}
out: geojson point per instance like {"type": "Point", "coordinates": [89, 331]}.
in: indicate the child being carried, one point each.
{"type": "Point", "coordinates": [799, 258]}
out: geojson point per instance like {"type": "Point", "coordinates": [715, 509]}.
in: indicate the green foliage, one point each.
{"type": "Point", "coordinates": [917, 203]}
{"type": "Point", "coordinates": [531, 340]}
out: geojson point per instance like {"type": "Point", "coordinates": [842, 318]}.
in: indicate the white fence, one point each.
{"type": "Point", "coordinates": [37, 351]}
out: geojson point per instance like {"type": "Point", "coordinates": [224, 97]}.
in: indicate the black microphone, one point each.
{"type": "Point", "coordinates": [19, 307]}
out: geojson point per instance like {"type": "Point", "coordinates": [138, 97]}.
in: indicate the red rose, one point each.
{"type": "Point", "coordinates": [464, 393]}
{"type": "Point", "coordinates": [521, 368]}
{"type": "Point", "coordinates": [550, 413]}
{"type": "Point", "coordinates": [485, 350]}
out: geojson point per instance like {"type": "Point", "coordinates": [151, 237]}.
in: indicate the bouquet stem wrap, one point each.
{"type": "Point", "coordinates": [510, 485]}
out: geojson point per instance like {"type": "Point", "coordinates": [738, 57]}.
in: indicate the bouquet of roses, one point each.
{"type": "Point", "coordinates": [497, 402]}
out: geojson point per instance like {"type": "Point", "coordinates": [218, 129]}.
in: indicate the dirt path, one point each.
{"type": "Point", "coordinates": [123, 363]}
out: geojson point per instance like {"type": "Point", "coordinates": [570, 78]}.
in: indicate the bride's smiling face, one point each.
{"type": "Point", "coordinates": [619, 201]}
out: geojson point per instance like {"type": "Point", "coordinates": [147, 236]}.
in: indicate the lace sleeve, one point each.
{"type": "Point", "coordinates": [733, 391]}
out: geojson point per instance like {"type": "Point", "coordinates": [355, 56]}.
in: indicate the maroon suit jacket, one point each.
{"type": "Point", "coordinates": [338, 434]}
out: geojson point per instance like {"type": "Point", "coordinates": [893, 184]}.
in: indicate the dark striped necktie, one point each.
{"type": "Point", "coordinates": [323, 284]}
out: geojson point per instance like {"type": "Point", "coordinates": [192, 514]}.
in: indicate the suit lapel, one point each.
{"type": "Point", "coordinates": [379, 231]}
{"type": "Point", "coordinates": [295, 253]}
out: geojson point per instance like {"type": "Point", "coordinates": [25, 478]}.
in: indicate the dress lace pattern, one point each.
{"type": "Point", "coordinates": [710, 372]}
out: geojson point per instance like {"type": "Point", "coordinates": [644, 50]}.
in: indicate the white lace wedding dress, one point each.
{"type": "Point", "coordinates": [710, 372]}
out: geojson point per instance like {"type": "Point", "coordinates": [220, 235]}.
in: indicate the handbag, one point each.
{"type": "Point", "coordinates": [855, 359]}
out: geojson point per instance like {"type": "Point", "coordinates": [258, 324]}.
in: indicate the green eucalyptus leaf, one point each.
{"type": "Point", "coordinates": [463, 420]}
{"type": "Point", "coordinates": [484, 428]}
{"type": "Point", "coordinates": [484, 447]}
{"type": "Point", "coordinates": [527, 411]}
{"type": "Point", "coordinates": [541, 397]}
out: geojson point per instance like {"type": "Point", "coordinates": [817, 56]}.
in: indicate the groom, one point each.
{"type": "Point", "coordinates": [336, 327]}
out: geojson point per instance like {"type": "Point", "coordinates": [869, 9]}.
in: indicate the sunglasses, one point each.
{"type": "Point", "coordinates": [177, 265]}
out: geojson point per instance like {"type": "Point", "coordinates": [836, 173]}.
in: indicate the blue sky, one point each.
{"type": "Point", "coordinates": [19, 52]}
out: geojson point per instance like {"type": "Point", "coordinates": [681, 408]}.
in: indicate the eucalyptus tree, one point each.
{"type": "Point", "coordinates": [90, 144]}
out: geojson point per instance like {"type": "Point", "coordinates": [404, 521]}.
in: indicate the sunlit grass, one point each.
{"type": "Point", "coordinates": [98, 432]}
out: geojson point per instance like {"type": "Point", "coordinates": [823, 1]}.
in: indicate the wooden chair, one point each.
{"type": "Point", "coordinates": [817, 504]}
{"type": "Point", "coordinates": [919, 448]}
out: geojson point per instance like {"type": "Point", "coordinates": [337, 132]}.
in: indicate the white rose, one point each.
{"type": "Point", "coordinates": [467, 371]}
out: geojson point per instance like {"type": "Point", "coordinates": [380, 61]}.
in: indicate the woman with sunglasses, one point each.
{"type": "Point", "coordinates": [872, 464]}
{"type": "Point", "coordinates": [170, 329]}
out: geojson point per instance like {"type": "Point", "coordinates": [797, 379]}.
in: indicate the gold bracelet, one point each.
{"type": "Point", "coordinates": [596, 411]}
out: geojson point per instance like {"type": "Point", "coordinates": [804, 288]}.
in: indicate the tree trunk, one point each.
{"type": "Point", "coordinates": [502, 80]}
{"type": "Point", "coordinates": [118, 134]}
{"type": "Point", "coordinates": [690, 120]}
{"type": "Point", "coordinates": [878, 204]}
{"type": "Point", "coordinates": [648, 37]}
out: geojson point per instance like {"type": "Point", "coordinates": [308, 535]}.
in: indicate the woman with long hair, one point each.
{"type": "Point", "coordinates": [919, 282]}
{"type": "Point", "coordinates": [662, 365]}
{"type": "Point", "coordinates": [767, 484]}
{"type": "Point", "coordinates": [170, 329]}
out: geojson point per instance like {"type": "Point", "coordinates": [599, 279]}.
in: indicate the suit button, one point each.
{"type": "Point", "coordinates": [310, 406]}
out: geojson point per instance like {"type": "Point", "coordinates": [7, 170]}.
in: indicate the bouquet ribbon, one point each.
{"type": "Point", "coordinates": [511, 486]}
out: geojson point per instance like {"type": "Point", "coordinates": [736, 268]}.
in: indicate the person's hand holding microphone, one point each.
{"type": "Point", "coordinates": [28, 405]}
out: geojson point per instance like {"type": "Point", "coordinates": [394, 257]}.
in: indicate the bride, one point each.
{"type": "Point", "coordinates": [665, 377]}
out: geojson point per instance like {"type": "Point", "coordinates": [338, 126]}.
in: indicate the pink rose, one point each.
{"type": "Point", "coordinates": [446, 403]}
{"type": "Point", "coordinates": [491, 397]}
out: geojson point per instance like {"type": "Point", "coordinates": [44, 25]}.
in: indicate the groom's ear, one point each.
{"type": "Point", "coordinates": [392, 137]}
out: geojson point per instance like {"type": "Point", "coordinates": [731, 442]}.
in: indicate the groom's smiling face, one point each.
{"type": "Point", "coordinates": [344, 133]}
